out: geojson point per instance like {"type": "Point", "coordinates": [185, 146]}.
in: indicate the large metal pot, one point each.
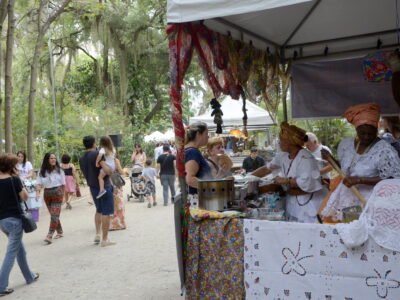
{"type": "Point", "coordinates": [215, 194]}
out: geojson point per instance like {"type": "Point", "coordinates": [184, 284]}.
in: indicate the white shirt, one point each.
{"type": "Point", "coordinates": [304, 169]}
{"type": "Point", "coordinates": [53, 179]}
{"type": "Point", "coordinates": [157, 152]}
{"type": "Point", "coordinates": [381, 160]}
{"type": "Point", "coordinates": [24, 170]}
{"type": "Point", "coordinates": [321, 163]}
{"type": "Point", "coordinates": [109, 158]}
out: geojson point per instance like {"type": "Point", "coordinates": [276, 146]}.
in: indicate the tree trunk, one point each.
{"type": "Point", "coordinates": [42, 29]}
{"type": "Point", "coordinates": [66, 71]}
{"type": "Point", "coordinates": [3, 14]}
{"type": "Point", "coordinates": [32, 94]}
{"type": "Point", "coordinates": [8, 76]}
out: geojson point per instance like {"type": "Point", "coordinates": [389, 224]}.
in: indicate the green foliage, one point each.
{"type": "Point", "coordinates": [330, 132]}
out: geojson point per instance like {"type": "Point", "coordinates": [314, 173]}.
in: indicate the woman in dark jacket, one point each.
{"type": "Point", "coordinates": [11, 224]}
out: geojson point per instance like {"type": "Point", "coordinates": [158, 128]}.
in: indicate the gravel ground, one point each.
{"type": "Point", "coordinates": [143, 264]}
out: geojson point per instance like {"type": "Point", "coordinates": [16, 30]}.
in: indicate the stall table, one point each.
{"type": "Point", "coordinates": [258, 259]}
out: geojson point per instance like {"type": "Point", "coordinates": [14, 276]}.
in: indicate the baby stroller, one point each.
{"type": "Point", "coordinates": [138, 184]}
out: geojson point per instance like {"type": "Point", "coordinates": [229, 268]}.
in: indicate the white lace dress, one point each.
{"type": "Point", "coordinates": [304, 168]}
{"type": "Point", "coordinates": [381, 160]}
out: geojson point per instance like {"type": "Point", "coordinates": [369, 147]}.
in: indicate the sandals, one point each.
{"type": "Point", "coordinates": [6, 292]}
{"type": "Point", "coordinates": [59, 236]}
{"type": "Point", "coordinates": [47, 241]}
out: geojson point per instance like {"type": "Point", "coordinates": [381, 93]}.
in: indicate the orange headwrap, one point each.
{"type": "Point", "coordinates": [293, 134]}
{"type": "Point", "coordinates": [362, 114]}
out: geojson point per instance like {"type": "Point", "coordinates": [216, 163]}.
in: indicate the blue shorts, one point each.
{"type": "Point", "coordinates": [104, 205]}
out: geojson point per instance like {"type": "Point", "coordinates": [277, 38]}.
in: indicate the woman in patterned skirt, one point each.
{"type": "Point", "coordinates": [118, 219]}
{"type": "Point", "coordinates": [52, 179]}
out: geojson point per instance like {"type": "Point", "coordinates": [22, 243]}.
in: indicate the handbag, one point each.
{"type": "Point", "coordinates": [117, 180]}
{"type": "Point", "coordinates": [28, 224]}
{"type": "Point", "coordinates": [78, 191]}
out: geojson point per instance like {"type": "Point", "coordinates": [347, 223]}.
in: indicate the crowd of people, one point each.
{"type": "Point", "coordinates": [304, 175]}
{"type": "Point", "coordinates": [58, 183]}
{"type": "Point", "coordinates": [304, 172]}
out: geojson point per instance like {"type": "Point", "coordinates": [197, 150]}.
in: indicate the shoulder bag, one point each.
{"type": "Point", "coordinates": [117, 180]}
{"type": "Point", "coordinates": [28, 224]}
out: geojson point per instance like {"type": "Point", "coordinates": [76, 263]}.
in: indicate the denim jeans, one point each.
{"type": "Point", "coordinates": [12, 227]}
{"type": "Point", "coordinates": [167, 181]}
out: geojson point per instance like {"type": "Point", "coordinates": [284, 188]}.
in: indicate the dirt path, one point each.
{"type": "Point", "coordinates": [143, 265]}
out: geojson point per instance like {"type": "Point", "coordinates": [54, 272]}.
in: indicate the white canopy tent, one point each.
{"type": "Point", "coordinates": [311, 28]}
{"type": "Point", "coordinates": [155, 136]}
{"type": "Point", "coordinates": [258, 118]}
{"type": "Point", "coordinates": [160, 137]}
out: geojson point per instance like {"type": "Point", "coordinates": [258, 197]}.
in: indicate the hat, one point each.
{"type": "Point", "coordinates": [293, 134]}
{"type": "Point", "coordinates": [363, 114]}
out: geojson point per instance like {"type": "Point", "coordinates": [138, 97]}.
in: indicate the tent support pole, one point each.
{"type": "Point", "coordinates": [248, 32]}
{"type": "Point", "coordinates": [284, 91]}
{"type": "Point", "coordinates": [305, 18]}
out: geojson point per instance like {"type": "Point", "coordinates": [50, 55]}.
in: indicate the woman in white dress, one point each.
{"type": "Point", "coordinates": [300, 176]}
{"type": "Point", "coordinates": [24, 167]}
{"type": "Point", "coordinates": [365, 160]}
{"type": "Point", "coordinates": [25, 172]}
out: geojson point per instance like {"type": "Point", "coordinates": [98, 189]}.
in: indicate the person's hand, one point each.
{"type": "Point", "coordinates": [281, 180]}
{"type": "Point", "coordinates": [349, 181]}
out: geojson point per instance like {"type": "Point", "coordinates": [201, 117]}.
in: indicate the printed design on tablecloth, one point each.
{"type": "Point", "coordinates": [387, 190]}
{"type": "Point", "coordinates": [266, 291]}
{"type": "Point", "coordinates": [388, 217]}
{"type": "Point", "coordinates": [382, 284]}
{"type": "Point", "coordinates": [292, 262]}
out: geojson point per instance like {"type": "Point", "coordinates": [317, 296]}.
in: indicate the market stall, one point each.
{"type": "Point", "coordinates": [246, 46]}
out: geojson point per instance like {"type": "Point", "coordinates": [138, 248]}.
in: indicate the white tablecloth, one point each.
{"type": "Point", "coordinates": [309, 261]}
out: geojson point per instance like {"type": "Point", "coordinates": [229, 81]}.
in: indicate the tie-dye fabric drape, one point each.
{"type": "Point", "coordinates": [228, 65]}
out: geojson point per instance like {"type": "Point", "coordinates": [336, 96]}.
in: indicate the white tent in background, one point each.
{"type": "Point", "coordinates": [169, 135]}
{"type": "Point", "coordinates": [156, 136]}
{"type": "Point", "coordinates": [258, 118]}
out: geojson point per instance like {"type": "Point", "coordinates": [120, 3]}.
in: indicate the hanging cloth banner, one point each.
{"type": "Point", "coordinates": [327, 89]}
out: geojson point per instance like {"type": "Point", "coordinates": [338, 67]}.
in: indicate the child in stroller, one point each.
{"type": "Point", "coordinates": [138, 184]}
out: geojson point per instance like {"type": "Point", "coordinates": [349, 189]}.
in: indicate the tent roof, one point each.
{"type": "Point", "coordinates": [258, 118]}
{"type": "Point", "coordinates": [305, 26]}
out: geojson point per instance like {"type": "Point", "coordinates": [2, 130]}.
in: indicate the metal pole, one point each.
{"type": "Point", "coordinates": [284, 92]}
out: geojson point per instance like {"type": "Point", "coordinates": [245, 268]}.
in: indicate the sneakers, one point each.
{"type": "Point", "coordinates": [154, 203]}
{"type": "Point", "coordinates": [149, 205]}
{"type": "Point", "coordinates": [35, 277]}
{"type": "Point", "coordinates": [6, 292]}
{"type": "Point", "coordinates": [101, 194]}
{"type": "Point", "coordinates": [97, 239]}
{"type": "Point", "coordinates": [107, 243]}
